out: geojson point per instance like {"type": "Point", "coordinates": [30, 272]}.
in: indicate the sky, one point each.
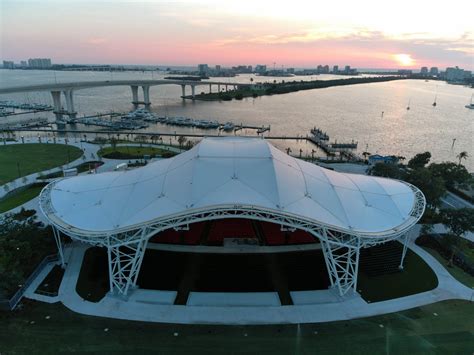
{"type": "Point", "coordinates": [294, 33]}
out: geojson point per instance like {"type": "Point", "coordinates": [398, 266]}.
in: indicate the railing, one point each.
{"type": "Point", "coordinates": [10, 304]}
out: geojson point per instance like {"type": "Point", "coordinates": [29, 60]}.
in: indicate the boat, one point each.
{"type": "Point", "coordinates": [471, 105]}
{"type": "Point", "coordinates": [228, 126]}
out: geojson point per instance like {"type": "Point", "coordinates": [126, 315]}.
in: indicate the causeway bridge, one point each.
{"type": "Point", "coordinates": [67, 89]}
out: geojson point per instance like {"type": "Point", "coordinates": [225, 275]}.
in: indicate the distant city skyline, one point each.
{"type": "Point", "coordinates": [298, 34]}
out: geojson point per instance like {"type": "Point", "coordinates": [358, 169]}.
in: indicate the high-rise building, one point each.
{"type": "Point", "coordinates": [335, 69]}
{"type": "Point", "coordinates": [424, 71]}
{"type": "Point", "coordinates": [39, 63]}
{"type": "Point", "coordinates": [24, 63]}
{"type": "Point", "coordinates": [218, 68]}
{"type": "Point", "coordinates": [7, 64]}
{"type": "Point", "coordinates": [434, 71]}
{"type": "Point", "coordinates": [203, 68]}
{"type": "Point", "coordinates": [260, 68]}
{"type": "Point", "coordinates": [457, 74]}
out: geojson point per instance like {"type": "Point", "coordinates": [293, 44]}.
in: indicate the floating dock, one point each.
{"type": "Point", "coordinates": [321, 139]}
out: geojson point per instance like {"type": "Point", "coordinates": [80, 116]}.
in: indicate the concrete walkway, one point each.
{"type": "Point", "coordinates": [350, 307]}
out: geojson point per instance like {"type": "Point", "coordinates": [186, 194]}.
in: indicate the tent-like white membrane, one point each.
{"type": "Point", "coordinates": [230, 171]}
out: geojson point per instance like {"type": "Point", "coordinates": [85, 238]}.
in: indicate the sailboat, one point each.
{"type": "Point", "coordinates": [408, 107]}
{"type": "Point", "coordinates": [434, 103]}
{"type": "Point", "coordinates": [471, 105]}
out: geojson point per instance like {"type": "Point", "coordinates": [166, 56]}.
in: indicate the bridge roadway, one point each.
{"type": "Point", "coordinates": [68, 88]}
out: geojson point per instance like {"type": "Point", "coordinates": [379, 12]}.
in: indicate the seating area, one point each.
{"type": "Point", "coordinates": [275, 236]}
{"type": "Point", "coordinates": [381, 259]}
{"type": "Point", "coordinates": [229, 228]}
{"type": "Point", "coordinates": [188, 237]}
{"type": "Point", "coordinates": [213, 233]}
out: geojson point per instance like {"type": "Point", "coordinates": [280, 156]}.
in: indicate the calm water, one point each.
{"type": "Point", "coordinates": [346, 113]}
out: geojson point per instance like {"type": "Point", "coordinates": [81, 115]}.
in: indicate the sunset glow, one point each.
{"type": "Point", "coordinates": [404, 60]}
{"type": "Point", "coordinates": [299, 34]}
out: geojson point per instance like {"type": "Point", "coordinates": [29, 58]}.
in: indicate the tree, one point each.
{"type": "Point", "coordinates": [22, 246]}
{"type": "Point", "coordinates": [113, 143]}
{"type": "Point", "coordinates": [458, 222]}
{"type": "Point", "coordinates": [181, 141]}
{"type": "Point", "coordinates": [462, 155]}
{"type": "Point", "coordinates": [392, 171]}
{"type": "Point", "coordinates": [366, 155]}
{"type": "Point", "coordinates": [420, 160]}
{"type": "Point", "coordinates": [433, 187]}
{"type": "Point", "coordinates": [453, 174]}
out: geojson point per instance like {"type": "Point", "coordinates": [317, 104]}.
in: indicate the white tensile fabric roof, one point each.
{"type": "Point", "coordinates": [230, 171]}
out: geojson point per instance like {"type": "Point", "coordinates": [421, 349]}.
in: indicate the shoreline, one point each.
{"type": "Point", "coordinates": [268, 89]}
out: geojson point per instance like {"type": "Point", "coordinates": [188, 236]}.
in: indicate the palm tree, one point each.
{"type": "Point", "coordinates": [366, 155]}
{"type": "Point", "coordinates": [462, 155]}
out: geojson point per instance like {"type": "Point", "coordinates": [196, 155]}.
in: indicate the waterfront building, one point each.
{"type": "Point", "coordinates": [260, 68]}
{"type": "Point", "coordinates": [24, 64]}
{"type": "Point", "coordinates": [290, 70]}
{"type": "Point", "coordinates": [218, 68]}
{"type": "Point", "coordinates": [382, 159]}
{"type": "Point", "coordinates": [7, 64]}
{"type": "Point", "coordinates": [405, 71]}
{"type": "Point", "coordinates": [203, 68]}
{"type": "Point", "coordinates": [434, 71]}
{"type": "Point", "coordinates": [335, 69]}
{"type": "Point", "coordinates": [424, 71]}
{"type": "Point", "coordinates": [39, 63]}
{"type": "Point", "coordinates": [457, 75]}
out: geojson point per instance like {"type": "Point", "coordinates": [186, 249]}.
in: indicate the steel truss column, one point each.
{"type": "Point", "coordinates": [405, 238]}
{"type": "Point", "coordinates": [124, 264]}
{"type": "Point", "coordinates": [59, 245]}
{"type": "Point", "coordinates": [342, 261]}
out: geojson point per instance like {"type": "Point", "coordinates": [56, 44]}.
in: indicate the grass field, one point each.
{"type": "Point", "coordinates": [18, 160]}
{"type": "Point", "coordinates": [441, 328]}
{"type": "Point", "coordinates": [17, 198]}
{"type": "Point", "coordinates": [416, 277]}
{"type": "Point", "coordinates": [458, 273]}
{"type": "Point", "coordinates": [133, 152]}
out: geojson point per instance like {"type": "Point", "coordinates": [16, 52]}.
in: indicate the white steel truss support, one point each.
{"type": "Point", "coordinates": [405, 240]}
{"type": "Point", "coordinates": [124, 265]}
{"type": "Point", "coordinates": [343, 265]}
{"type": "Point", "coordinates": [59, 245]}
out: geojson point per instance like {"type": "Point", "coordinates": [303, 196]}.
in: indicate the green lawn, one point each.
{"type": "Point", "coordinates": [133, 152]}
{"type": "Point", "coordinates": [19, 197]}
{"type": "Point", "coordinates": [441, 328]}
{"type": "Point", "coordinates": [18, 160]}
{"type": "Point", "coordinates": [458, 273]}
{"type": "Point", "coordinates": [416, 277]}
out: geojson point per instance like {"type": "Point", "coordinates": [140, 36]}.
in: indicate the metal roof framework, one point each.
{"type": "Point", "coordinates": [125, 249]}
